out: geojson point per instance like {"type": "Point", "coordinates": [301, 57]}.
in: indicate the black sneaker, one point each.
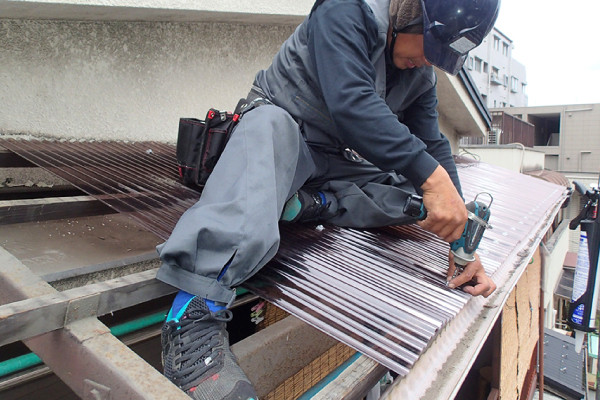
{"type": "Point", "coordinates": [196, 355]}
{"type": "Point", "coordinates": [307, 205]}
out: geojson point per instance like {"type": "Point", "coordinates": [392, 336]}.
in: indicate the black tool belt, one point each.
{"type": "Point", "coordinates": [200, 143]}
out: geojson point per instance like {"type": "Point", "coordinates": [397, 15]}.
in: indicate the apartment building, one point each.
{"type": "Point", "coordinates": [569, 135]}
{"type": "Point", "coordinates": [500, 78]}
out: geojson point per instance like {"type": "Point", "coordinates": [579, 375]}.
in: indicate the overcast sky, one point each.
{"type": "Point", "coordinates": [559, 44]}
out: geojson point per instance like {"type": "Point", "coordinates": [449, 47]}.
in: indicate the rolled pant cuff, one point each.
{"type": "Point", "coordinates": [206, 288]}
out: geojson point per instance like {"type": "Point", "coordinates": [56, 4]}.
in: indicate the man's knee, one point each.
{"type": "Point", "coordinates": [272, 116]}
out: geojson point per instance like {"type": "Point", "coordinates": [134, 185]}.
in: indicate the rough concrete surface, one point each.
{"type": "Point", "coordinates": [125, 80]}
{"type": "Point", "coordinates": [80, 278]}
{"type": "Point", "coordinates": [277, 352]}
{"type": "Point", "coordinates": [12, 177]}
{"type": "Point", "coordinates": [150, 9]}
{"type": "Point", "coordinates": [52, 246]}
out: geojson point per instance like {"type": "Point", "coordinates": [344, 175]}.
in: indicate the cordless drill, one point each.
{"type": "Point", "coordinates": [464, 248]}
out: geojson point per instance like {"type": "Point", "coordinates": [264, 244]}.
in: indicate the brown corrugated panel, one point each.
{"type": "Point", "coordinates": [380, 291]}
{"type": "Point", "coordinates": [550, 176]}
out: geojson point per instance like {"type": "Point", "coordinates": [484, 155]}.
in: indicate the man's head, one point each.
{"type": "Point", "coordinates": [447, 30]}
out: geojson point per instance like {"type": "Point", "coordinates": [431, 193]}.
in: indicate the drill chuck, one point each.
{"type": "Point", "coordinates": [464, 248]}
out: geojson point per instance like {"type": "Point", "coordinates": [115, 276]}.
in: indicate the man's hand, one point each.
{"type": "Point", "coordinates": [484, 286]}
{"type": "Point", "coordinates": [446, 211]}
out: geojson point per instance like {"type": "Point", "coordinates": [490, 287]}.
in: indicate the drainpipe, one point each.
{"type": "Point", "coordinates": [543, 254]}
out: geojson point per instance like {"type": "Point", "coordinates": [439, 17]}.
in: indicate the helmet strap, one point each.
{"type": "Point", "coordinates": [393, 44]}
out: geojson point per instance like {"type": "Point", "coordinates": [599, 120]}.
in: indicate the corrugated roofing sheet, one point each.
{"type": "Point", "coordinates": [550, 176]}
{"type": "Point", "coordinates": [381, 291]}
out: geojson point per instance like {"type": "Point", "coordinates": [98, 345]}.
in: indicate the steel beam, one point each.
{"type": "Point", "coordinates": [32, 317]}
{"type": "Point", "coordinates": [17, 282]}
{"type": "Point", "coordinates": [83, 353]}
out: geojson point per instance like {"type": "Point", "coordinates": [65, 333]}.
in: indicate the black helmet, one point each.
{"type": "Point", "coordinates": [452, 28]}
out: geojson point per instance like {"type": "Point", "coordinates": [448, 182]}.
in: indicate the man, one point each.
{"type": "Point", "coordinates": [356, 74]}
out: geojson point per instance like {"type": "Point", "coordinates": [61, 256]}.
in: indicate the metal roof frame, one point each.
{"type": "Point", "coordinates": [83, 352]}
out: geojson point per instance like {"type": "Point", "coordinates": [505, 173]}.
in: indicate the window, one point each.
{"type": "Point", "coordinates": [505, 49]}
{"type": "Point", "coordinates": [470, 63]}
{"type": "Point", "coordinates": [478, 64]}
{"type": "Point", "coordinates": [495, 78]}
{"type": "Point", "coordinates": [562, 315]}
{"type": "Point", "coordinates": [494, 103]}
{"type": "Point", "coordinates": [523, 86]}
{"type": "Point", "coordinates": [496, 43]}
{"type": "Point", "coordinates": [485, 67]}
{"type": "Point", "coordinates": [514, 84]}
{"type": "Point", "coordinates": [505, 80]}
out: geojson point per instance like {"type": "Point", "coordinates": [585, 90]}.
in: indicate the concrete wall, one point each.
{"type": "Point", "coordinates": [129, 69]}
{"type": "Point", "coordinates": [579, 148]}
{"type": "Point", "coordinates": [580, 131]}
{"type": "Point", "coordinates": [231, 11]}
{"type": "Point", "coordinates": [125, 80]}
{"type": "Point", "coordinates": [557, 246]}
{"type": "Point", "coordinates": [512, 157]}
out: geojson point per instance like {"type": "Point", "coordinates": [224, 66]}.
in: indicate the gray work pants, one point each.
{"type": "Point", "coordinates": [233, 230]}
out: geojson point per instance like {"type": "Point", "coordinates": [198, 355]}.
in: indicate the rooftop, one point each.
{"type": "Point", "coordinates": [381, 291]}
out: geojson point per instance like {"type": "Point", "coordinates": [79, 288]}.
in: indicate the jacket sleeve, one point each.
{"type": "Point", "coordinates": [342, 36]}
{"type": "Point", "coordinates": [421, 117]}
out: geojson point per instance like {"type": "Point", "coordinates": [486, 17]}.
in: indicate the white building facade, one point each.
{"type": "Point", "coordinates": [501, 79]}
{"type": "Point", "coordinates": [129, 69]}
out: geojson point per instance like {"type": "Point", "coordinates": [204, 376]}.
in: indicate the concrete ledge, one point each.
{"type": "Point", "coordinates": [352, 380]}
{"type": "Point", "coordinates": [230, 11]}
{"type": "Point", "coordinates": [276, 353]}
{"type": "Point", "coordinates": [456, 108]}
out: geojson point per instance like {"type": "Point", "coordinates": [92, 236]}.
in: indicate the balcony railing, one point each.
{"type": "Point", "coordinates": [495, 79]}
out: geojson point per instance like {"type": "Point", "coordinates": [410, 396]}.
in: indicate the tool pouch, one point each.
{"type": "Point", "coordinates": [201, 142]}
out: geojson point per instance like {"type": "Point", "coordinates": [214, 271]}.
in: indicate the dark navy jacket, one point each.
{"type": "Point", "coordinates": [331, 75]}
